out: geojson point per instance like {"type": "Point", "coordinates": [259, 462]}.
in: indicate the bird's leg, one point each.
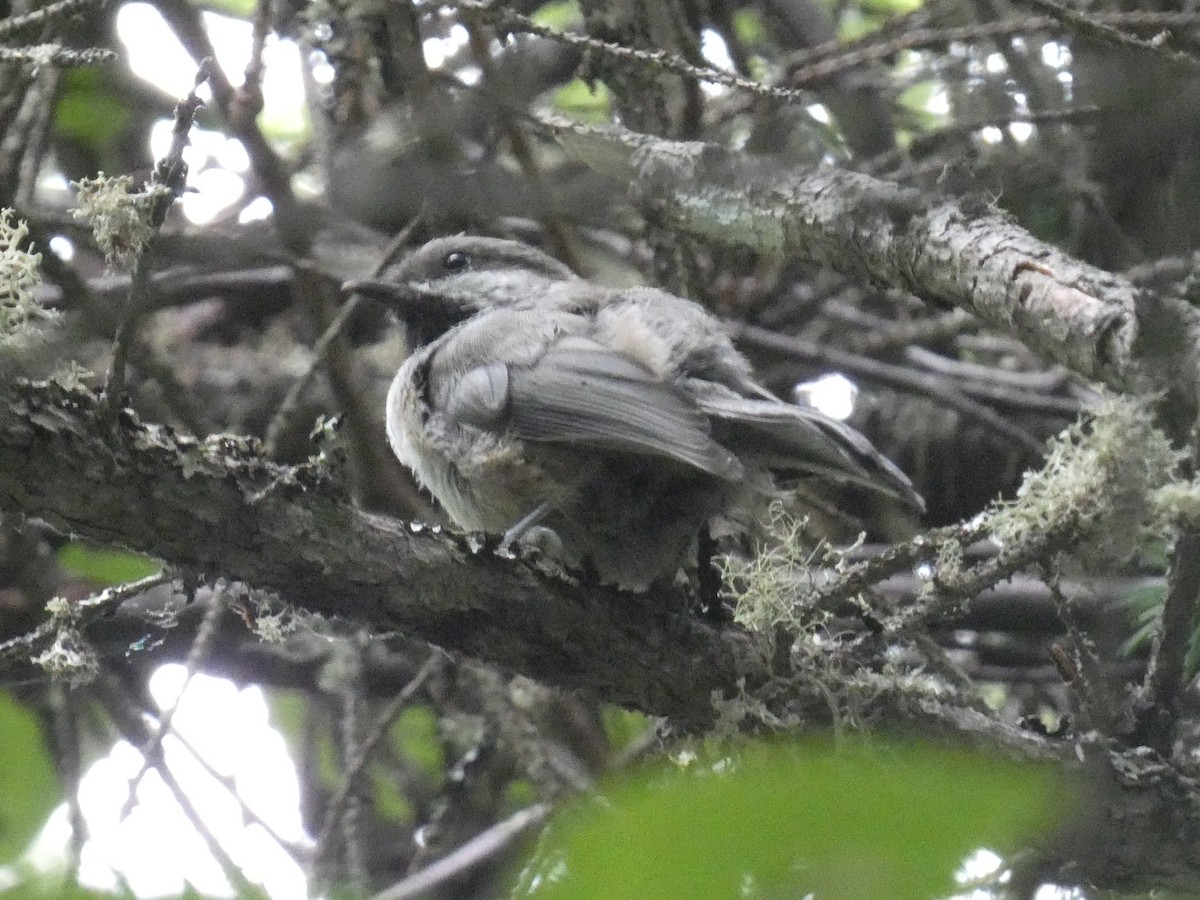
{"type": "Point", "coordinates": [709, 578]}
{"type": "Point", "coordinates": [518, 530]}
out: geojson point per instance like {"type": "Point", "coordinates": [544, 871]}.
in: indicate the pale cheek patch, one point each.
{"type": "Point", "coordinates": [627, 335]}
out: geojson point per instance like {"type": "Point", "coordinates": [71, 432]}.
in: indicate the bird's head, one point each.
{"type": "Point", "coordinates": [451, 279]}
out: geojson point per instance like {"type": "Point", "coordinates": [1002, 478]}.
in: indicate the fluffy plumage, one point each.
{"type": "Point", "coordinates": [622, 420]}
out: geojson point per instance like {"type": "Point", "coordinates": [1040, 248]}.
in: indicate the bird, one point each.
{"type": "Point", "coordinates": [622, 421]}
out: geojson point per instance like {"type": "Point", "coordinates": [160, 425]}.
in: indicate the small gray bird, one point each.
{"type": "Point", "coordinates": [621, 420]}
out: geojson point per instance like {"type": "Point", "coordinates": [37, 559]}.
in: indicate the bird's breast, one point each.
{"type": "Point", "coordinates": [481, 478]}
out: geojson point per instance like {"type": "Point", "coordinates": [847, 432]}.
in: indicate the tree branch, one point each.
{"type": "Point", "coordinates": [943, 251]}
{"type": "Point", "coordinates": [220, 507]}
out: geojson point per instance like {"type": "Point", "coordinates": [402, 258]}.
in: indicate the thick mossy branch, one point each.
{"type": "Point", "coordinates": [968, 255]}
{"type": "Point", "coordinates": [219, 507]}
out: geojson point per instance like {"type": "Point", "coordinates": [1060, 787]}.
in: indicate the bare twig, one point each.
{"type": "Point", "coordinates": [57, 55]}
{"type": "Point", "coordinates": [50, 12]}
{"type": "Point", "coordinates": [152, 749]}
{"type": "Point", "coordinates": [84, 612]}
{"type": "Point", "coordinates": [1165, 677]}
{"type": "Point", "coordinates": [366, 747]}
{"type": "Point", "coordinates": [479, 849]}
{"type": "Point", "coordinates": [170, 176]}
{"type": "Point", "coordinates": [287, 407]}
{"type": "Point", "coordinates": [1093, 28]}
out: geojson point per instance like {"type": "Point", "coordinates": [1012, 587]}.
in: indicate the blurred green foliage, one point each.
{"type": "Point", "coordinates": [239, 9]}
{"type": "Point", "coordinates": [91, 110]}
{"type": "Point", "coordinates": [788, 820]}
{"type": "Point", "coordinates": [587, 103]}
{"type": "Point", "coordinates": [562, 15]}
{"type": "Point", "coordinates": [29, 790]}
{"type": "Point", "coordinates": [623, 726]}
{"type": "Point", "coordinates": [415, 736]}
{"type": "Point", "coordinates": [104, 567]}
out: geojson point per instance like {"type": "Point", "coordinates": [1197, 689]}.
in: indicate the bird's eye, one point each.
{"type": "Point", "coordinates": [456, 261]}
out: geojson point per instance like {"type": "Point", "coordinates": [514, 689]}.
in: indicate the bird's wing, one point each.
{"type": "Point", "coordinates": [789, 438]}
{"type": "Point", "coordinates": [580, 391]}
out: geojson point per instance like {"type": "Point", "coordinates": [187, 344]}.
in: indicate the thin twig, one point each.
{"type": "Point", "coordinates": [37, 137]}
{"type": "Point", "coordinates": [1165, 676]}
{"type": "Point", "coordinates": [295, 849]}
{"type": "Point", "coordinates": [506, 20]}
{"type": "Point", "coordinates": [62, 8]}
{"type": "Point", "coordinates": [132, 725]}
{"type": "Point", "coordinates": [1096, 704]}
{"type": "Point", "coordinates": [564, 239]}
{"type": "Point", "coordinates": [479, 849]}
{"type": "Point", "coordinates": [83, 612]}
{"type": "Point", "coordinates": [57, 55]}
{"type": "Point", "coordinates": [170, 175]}
{"type": "Point", "coordinates": [201, 645]}
{"type": "Point", "coordinates": [273, 174]}
{"type": "Point", "coordinates": [287, 407]}
{"type": "Point", "coordinates": [366, 748]}
{"type": "Point", "coordinates": [833, 57]}
{"type": "Point", "coordinates": [1096, 30]}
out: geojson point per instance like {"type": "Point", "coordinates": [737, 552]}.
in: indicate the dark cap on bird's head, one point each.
{"type": "Point", "coordinates": [452, 278]}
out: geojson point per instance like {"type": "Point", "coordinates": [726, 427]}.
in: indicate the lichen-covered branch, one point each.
{"type": "Point", "coordinates": [219, 507]}
{"type": "Point", "coordinates": [944, 251]}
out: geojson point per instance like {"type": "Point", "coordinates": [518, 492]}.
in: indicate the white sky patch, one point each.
{"type": "Point", "coordinates": [981, 864]}
{"type": "Point", "coordinates": [1055, 55]}
{"type": "Point", "coordinates": [61, 246]}
{"type": "Point", "coordinates": [435, 51]}
{"type": "Point", "coordinates": [156, 55]}
{"type": "Point", "coordinates": [54, 181]}
{"type": "Point", "coordinates": [155, 848]}
{"type": "Point", "coordinates": [716, 53]}
{"type": "Point", "coordinates": [832, 394]}
{"type": "Point", "coordinates": [215, 190]}
{"type": "Point", "coordinates": [1021, 131]}
{"type": "Point", "coordinates": [991, 134]}
{"type": "Point", "coordinates": [154, 52]}
{"type": "Point", "coordinates": [819, 113]}
{"type": "Point", "coordinates": [438, 50]}
{"type": "Point", "coordinates": [322, 69]}
{"type": "Point", "coordinates": [995, 64]}
{"type": "Point", "coordinates": [938, 103]}
{"type": "Point", "coordinates": [256, 210]}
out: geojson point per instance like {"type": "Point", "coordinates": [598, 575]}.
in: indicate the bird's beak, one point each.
{"type": "Point", "coordinates": [429, 311]}
{"type": "Point", "coordinates": [400, 298]}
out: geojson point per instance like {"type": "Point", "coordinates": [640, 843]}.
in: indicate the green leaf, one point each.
{"type": "Point", "coordinates": [28, 789]}
{"type": "Point", "coordinates": [748, 27]}
{"type": "Point", "coordinates": [90, 110]}
{"type": "Point", "coordinates": [558, 15]}
{"type": "Point", "coordinates": [105, 567]}
{"type": "Point", "coordinates": [792, 820]}
{"type": "Point", "coordinates": [623, 726]}
{"type": "Point", "coordinates": [238, 9]}
{"type": "Point", "coordinates": [50, 887]}
{"type": "Point", "coordinates": [415, 735]}
{"type": "Point", "coordinates": [581, 101]}
{"type": "Point", "coordinates": [891, 7]}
